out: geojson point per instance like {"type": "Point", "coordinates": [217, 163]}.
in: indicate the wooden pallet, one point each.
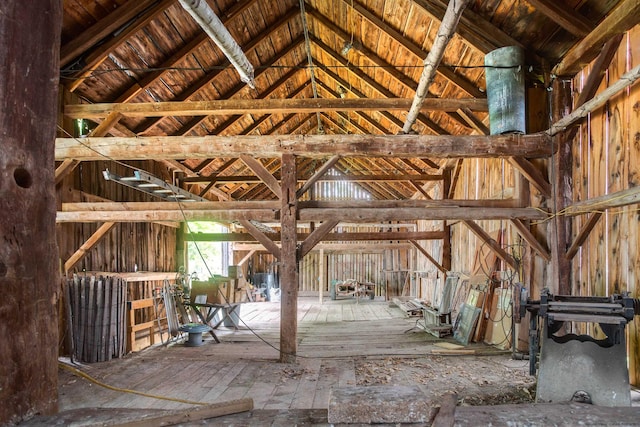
{"type": "Point", "coordinates": [411, 307]}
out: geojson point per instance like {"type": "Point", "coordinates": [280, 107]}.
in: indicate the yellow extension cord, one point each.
{"type": "Point", "coordinates": [124, 390]}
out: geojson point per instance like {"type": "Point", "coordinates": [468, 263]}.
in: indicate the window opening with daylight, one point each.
{"type": "Point", "coordinates": [207, 259]}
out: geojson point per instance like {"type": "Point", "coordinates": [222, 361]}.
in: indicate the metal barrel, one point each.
{"type": "Point", "coordinates": [504, 75]}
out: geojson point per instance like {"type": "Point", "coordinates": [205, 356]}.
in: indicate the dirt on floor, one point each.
{"type": "Point", "coordinates": [486, 380]}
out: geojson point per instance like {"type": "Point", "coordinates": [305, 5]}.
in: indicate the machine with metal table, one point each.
{"type": "Point", "coordinates": [579, 367]}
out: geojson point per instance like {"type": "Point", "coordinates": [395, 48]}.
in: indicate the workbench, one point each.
{"type": "Point", "coordinates": [207, 313]}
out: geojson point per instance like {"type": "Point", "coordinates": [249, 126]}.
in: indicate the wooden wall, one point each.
{"type": "Point", "coordinates": [149, 246]}
{"type": "Point", "coordinates": [606, 159]}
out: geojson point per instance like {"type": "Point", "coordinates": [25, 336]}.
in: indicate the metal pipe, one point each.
{"type": "Point", "coordinates": [431, 62]}
{"type": "Point", "coordinates": [215, 29]}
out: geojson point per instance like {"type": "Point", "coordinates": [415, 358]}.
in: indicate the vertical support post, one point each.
{"type": "Point", "coordinates": [322, 274]}
{"type": "Point", "coordinates": [289, 261]}
{"type": "Point", "coordinates": [446, 239]}
{"type": "Point", "coordinates": [181, 247]}
{"type": "Point", "coordinates": [29, 264]}
{"type": "Point", "coordinates": [562, 193]}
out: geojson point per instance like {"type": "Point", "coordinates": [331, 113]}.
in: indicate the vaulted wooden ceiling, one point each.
{"type": "Point", "coordinates": [315, 61]}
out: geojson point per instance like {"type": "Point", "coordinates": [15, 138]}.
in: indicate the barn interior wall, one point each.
{"type": "Point", "coordinates": [606, 159]}
{"type": "Point", "coordinates": [127, 246]}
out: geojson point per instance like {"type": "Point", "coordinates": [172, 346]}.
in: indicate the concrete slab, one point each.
{"type": "Point", "coordinates": [379, 404]}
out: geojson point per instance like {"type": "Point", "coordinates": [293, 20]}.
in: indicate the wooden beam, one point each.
{"type": "Point", "coordinates": [100, 204]}
{"type": "Point", "coordinates": [445, 33]}
{"type": "Point", "coordinates": [262, 238]}
{"type": "Point", "coordinates": [421, 190]}
{"type": "Point", "coordinates": [407, 214]}
{"type": "Point", "coordinates": [374, 84]}
{"type": "Point", "coordinates": [328, 178]}
{"type": "Point", "coordinates": [86, 200]}
{"type": "Point", "coordinates": [107, 205]}
{"type": "Point", "coordinates": [153, 215]}
{"type": "Point", "coordinates": [475, 123]}
{"type": "Point", "coordinates": [207, 79]}
{"type": "Point", "coordinates": [316, 237]}
{"type": "Point", "coordinates": [473, 27]}
{"type": "Point", "coordinates": [369, 211]}
{"type": "Point", "coordinates": [583, 234]}
{"type": "Point", "coordinates": [102, 51]}
{"type": "Point", "coordinates": [204, 413]}
{"type": "Point", "coordinates": [168, 147]}
{"type": "Point", "coordinates": [455, 176]}
{"type": "Point", "coordinates": [526, 234]}
{"type": "Point", "coordinates": [173, 164]}
{"type": "Point", "coordinates": [627, 79]}
{"type": "Point", "coordinates": [623, 17]}
{"type": "Point", "coordinates": [317, 175]}
{"type": "Point", "coordinates": [289, 262]}
{"type": "Point", "coordinates": [86, 246]}
{"type": "Point", "coordinates": [225, 107]}
{"type": "Point", "coordinates": [68, 165]}
{"type": "Point", "coordinates": [336, 247]}
{"type": "Point", "coordinates": [447, 259]}
{"type": "Point", "coordinates": [533, 174]}
{"type": "Point", "coordinates": [265, 176]}
{"type": "Point", "coordinates": [618, 199]}
{"type": "Point", "coordinates": [100, 30]}
{"type": "Point", "coordinates": [246, 258]}
{"type": "Point", "coordinates": [428, 256]}
{"type": "Point", "coordinates": [566, 17]}
{"type": "Point", "coordinates": [493, 245]}
{"type": "Point", "coordinates": [561, 166]}
{"type": "Point", "coordinates": [65, 168]}
{"type": "Point", "coordinates": [329, 237]}
{"type": "Point", "coordinates": [417, 50]}
{"type": "Point", "coordinates": [32, 287]}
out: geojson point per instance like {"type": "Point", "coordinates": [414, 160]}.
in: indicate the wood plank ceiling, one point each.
{"type": "Point", "coordinates": [148, 51]}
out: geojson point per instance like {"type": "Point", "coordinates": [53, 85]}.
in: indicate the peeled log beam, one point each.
{"type": "Point", "coordinates": [355, 215]}
{"type": "Point", "coordinates": [172, 206]}
{"type": "Point", "coordinates": [407, 214]}
{"type": "Point", "coordinates": [618, 199]}
{"type": "Point", "coordinates": [206, 147]}
{"type": "Point", "coordinates": [166, 215]}
{"type": "Point", "coordinates": [331, 237]}
{"type": "Point", "coordinates": [265, 106]}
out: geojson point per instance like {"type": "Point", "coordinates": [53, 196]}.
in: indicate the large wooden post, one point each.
{"type": "Point", "coordinates": [446, 228]}
{"type": "Point", "coordinates": [289, 262]}
{"type": "Point", "coordinates": [562, 194]}
{"type": "Point", "coordinates": [29, 269]}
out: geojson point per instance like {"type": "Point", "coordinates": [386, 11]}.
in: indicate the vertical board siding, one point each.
{"type": "Point", "coordinates": [606, 156]}
{"type": "Point", "coordinates": [150, 247]}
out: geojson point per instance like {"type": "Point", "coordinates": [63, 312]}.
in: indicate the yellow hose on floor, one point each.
{"type": "Point", "coordinates": [124, 390]}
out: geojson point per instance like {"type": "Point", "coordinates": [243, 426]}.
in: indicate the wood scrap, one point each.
{"type": "Point", "coordinates": [411, 307]}
{"type": "Point", "coordinates": [452, 352]}
{"type": "Point", "coordinates": [194, 414]}
{"type": "Point", "coordinates": [446, 414]}
{"type": "Point", "coordinates": [449, 345]}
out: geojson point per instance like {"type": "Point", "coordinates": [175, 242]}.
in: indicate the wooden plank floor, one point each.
{"type": "Point", "coordinates": [341, 343]}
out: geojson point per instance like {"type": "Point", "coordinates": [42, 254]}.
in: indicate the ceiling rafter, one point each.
{"type": "Point", "coordinates": [211, 75]}
{"type": "Point", "coordinates": [371, 56]}
{"type": "Point", "coordinates": [94, 58]}
{"type": "Point", "coordinates": [196, 121]}
{"type": "Point", "coordinates": [448, 74]}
